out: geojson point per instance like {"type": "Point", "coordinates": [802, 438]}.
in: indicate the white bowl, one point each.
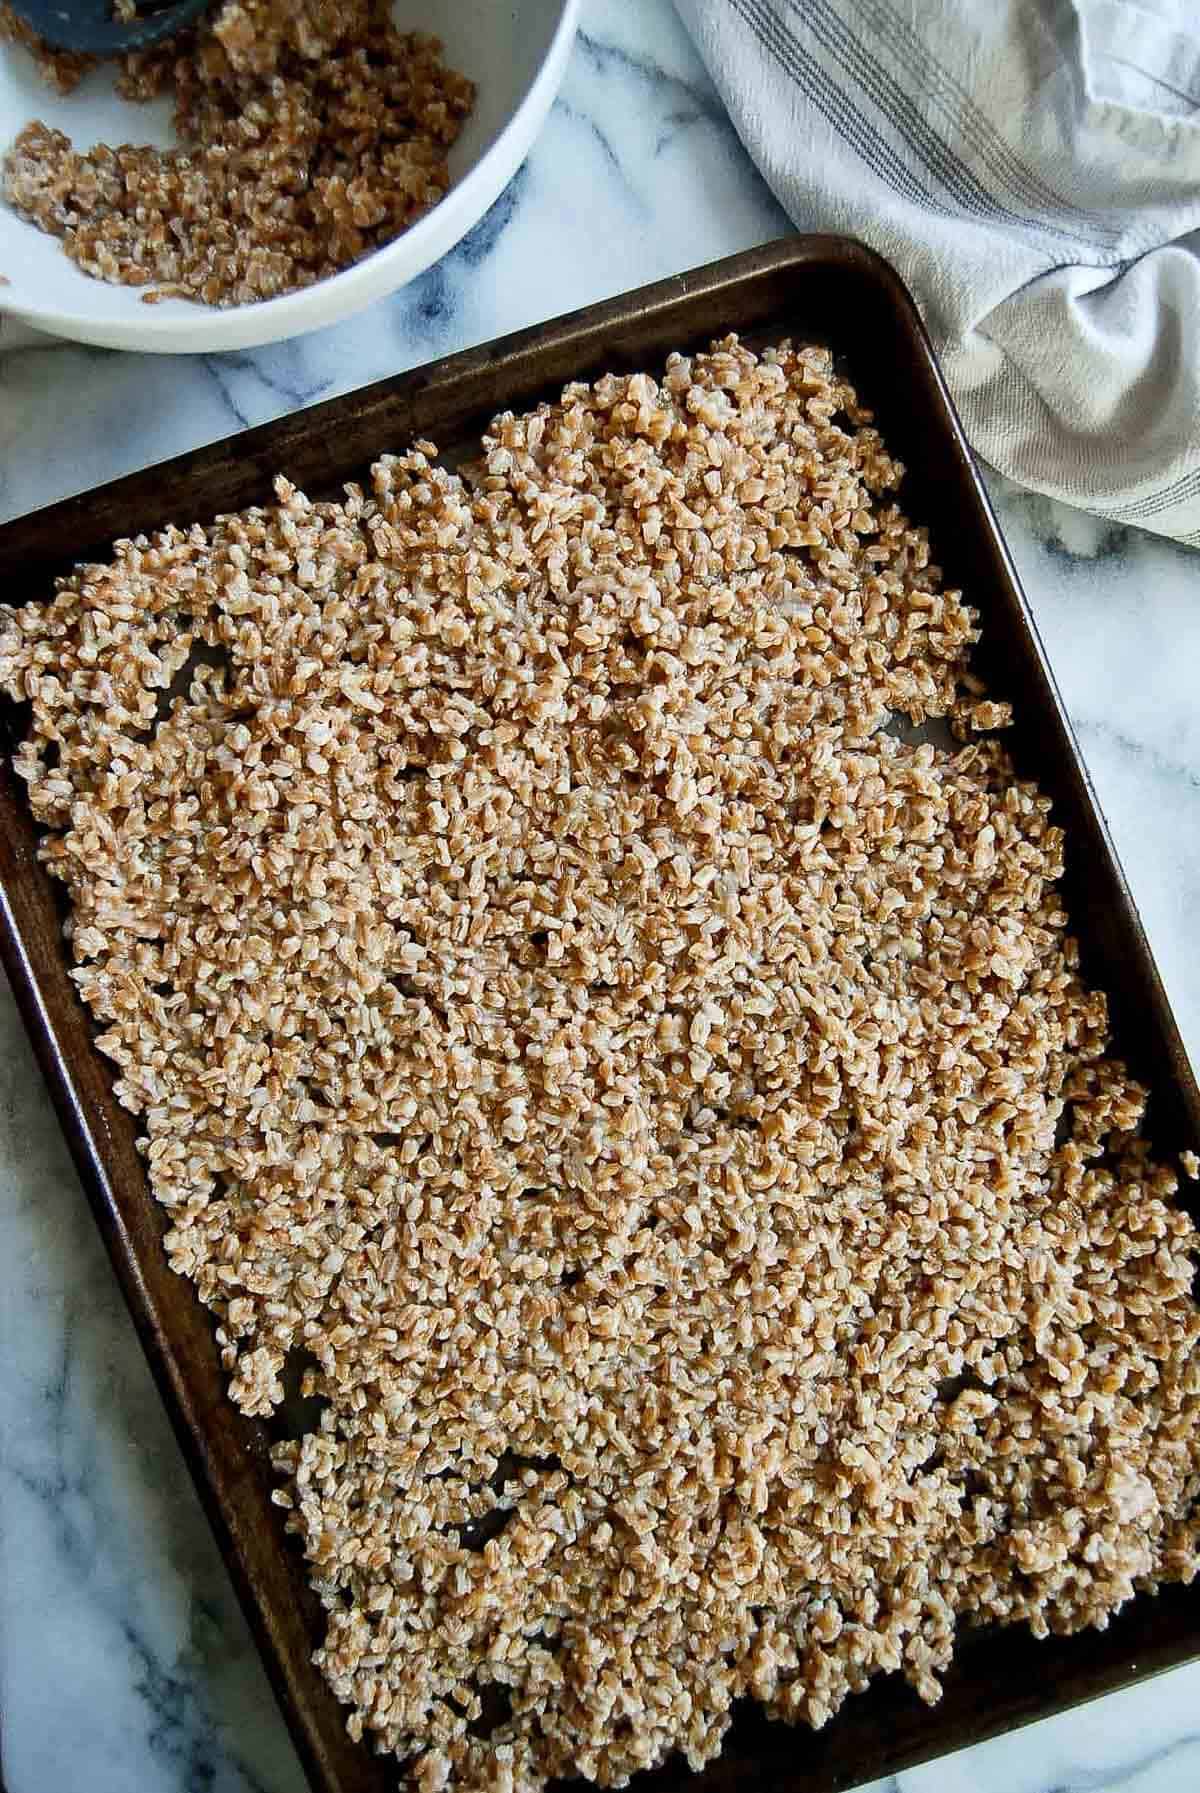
{"type": "Point", "coordinates": [514, 50]}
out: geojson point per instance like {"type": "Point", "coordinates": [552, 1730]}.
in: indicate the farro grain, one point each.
{"type": "Point", "coordinates": [310, 134]}
{"type": "Point", "coordinates": [658, 1100]}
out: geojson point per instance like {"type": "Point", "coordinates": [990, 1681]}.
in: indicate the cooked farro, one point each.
{"type": "Point", "coordinates": [310, 134]}
{"type": "Point", "coordinates": [656, 1099]}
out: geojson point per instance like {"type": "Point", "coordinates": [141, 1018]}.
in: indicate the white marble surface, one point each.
{"type": "Point", "coordinates": [124, 1662]}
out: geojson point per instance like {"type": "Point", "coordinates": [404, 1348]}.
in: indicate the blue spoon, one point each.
{"type": "Point", "coordinates": [92, 25]}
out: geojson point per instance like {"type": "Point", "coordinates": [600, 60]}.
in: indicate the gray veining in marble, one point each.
{"type": "Point", "coordinates": [125, 1665]}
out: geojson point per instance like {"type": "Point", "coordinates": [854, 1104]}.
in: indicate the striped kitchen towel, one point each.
{"type": "Point", "coordinates": [1032, 169]}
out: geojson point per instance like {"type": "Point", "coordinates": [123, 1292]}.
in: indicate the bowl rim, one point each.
{"type": "Point", "coordinates": [355, 286]}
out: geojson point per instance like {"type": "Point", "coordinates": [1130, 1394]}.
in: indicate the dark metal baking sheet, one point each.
{"type": "Point", "coordinates": [815, 289]}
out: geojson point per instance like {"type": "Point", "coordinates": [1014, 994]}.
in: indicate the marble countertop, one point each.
{"type": "Point", "coordinates": [124, 1660]}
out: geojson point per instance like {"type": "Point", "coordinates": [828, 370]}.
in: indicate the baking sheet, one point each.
{"type": "Point", "coordinates": [814, 289]}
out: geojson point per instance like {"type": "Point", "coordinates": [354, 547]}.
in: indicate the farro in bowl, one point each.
{"type": "Point", "coordinates": [514, 56]}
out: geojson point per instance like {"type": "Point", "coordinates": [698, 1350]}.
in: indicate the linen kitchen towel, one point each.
{"type": "Point", "coordinates": [1032, 169]}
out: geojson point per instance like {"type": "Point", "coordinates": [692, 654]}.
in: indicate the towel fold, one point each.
{"type": "Point", "coordinates": [1032, 169]}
